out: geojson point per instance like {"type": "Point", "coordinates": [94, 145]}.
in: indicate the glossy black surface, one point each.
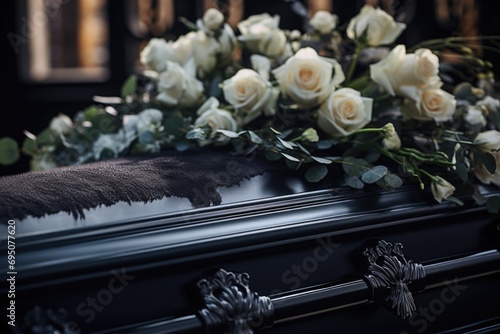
{"type": "Point", "coordinates": [286, 241]}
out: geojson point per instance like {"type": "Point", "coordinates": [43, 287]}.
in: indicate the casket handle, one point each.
{"type": "Point", "coordinates": [390, 275]}
{"type": "Point", "coordinates": [231, 307]}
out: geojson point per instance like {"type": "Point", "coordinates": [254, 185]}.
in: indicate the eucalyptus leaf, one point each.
{"type": "Point", "coordinates": [9, 151]}
{"type": "Point", "coordinates": [350, 166]}
{"type": "Point", "coordinates": [455, 200]}
{"type": "Point", "coordinates": [254, 138]}
{"type": "Point", "coordinates": [272, 156]}
{"type": "Point", "coordinates": [45, 138]}
{"type": "Point", "coordinates": [147, 137]}
{"type": "Point", "coordinates": [462, 171]}
{"type": "Point", "coordinates": [374, 174]}
{"type": "Point", "coordinates": [316, 173]}
{"type": "Point", "coordinates": [29, 146]}
{"type": "Point", "coordinates": [227, 133]}
{"type": "Point", "coordinates": [480, 200]}
{"type": "Point", "coordinates": [393, 180]}
{"type": "Point", "coordinates": [129, 86]}
{"type": "Point", "coordinates": [322, 160]}
{"type": "Point", "coordinates": [493, 204]}
{"type": "Point", "coordinates": [324, 144]}
{"type": "Point", "coordinates": [489, 162]}
{"type": "Point", "coordinates": [197, 133]}
{"type": "Point", "coordinates": [303, 149]}
{"type": "Point", "coordinates": [286, 144]}
{"type": "Point", "coordinates": [372, 157]}
{"type": "Point", "coordinates": [354, 182]}
{"type": "Point", "coordinates": [173, 124]}
{"type": "Point", "coordinates": [275, 131]}
{"type": "Point", "coordinates": [90, 112]}
{"type": "Point", "coordinates": [289, 157]}
{"type": "Point", "coordinates": [293, 164]}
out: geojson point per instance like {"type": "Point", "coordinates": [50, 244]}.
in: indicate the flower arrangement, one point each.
{"type": "Point", "coordinates": [330, 96]}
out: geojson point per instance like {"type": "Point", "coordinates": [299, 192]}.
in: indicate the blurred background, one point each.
{"type": "Point", "coordinates": [61, 53]}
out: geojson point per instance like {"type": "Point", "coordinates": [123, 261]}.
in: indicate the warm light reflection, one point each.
{"type": "Point", "coordinates": [69, 40]}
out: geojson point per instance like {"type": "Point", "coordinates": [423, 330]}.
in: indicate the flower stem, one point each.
{"type": "Point", "coordinates": [354, 62]}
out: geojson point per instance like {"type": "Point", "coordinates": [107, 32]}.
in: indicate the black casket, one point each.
{"type": "Point", "coordinates": [258, 251]}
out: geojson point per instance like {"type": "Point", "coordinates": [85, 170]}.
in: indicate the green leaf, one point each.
{"type": "Point", "coordinates": [289, 157]}
{"type": "Point", "coordinates": [293, 164]}
{"type": "Point", "coordinates": [480, 200]}
{"type": "Point", "coordinates": [372, 157]}
{"type": "Point", "coordinates": [90, 112]}
{"type": "Point", "coordinates": [489, 162]}
{"type": "Point", "coordinates": [322, 160]}
{"type": "Point", "coordinates": [354, 182]}
{"type": "Point", "coordinates": [303, 149]}
{"type": "Point", "coordinates": [287, 145]}
{"type": "Point", "coordinates": [146, 137]}
{"type": "Point", "coordinates": [493, 204]}
{"type": "Point", "coordinates": [393, 180]}
{"type": "Point", "coordinates": [29, 146]}
{"type": "Point", "coordinates": [129, 86]}
{"type": "Point", "coordinates": [254, 138]}
{"type": "Point", "coordinates": [173, 125]}
{"type": "Point", "coordinates": [272, 156]}
{"type": "Point", "coordinates": [9, 151]}
{"type": "Point", "coordinates": [227, 133]}
{"type": "Point", "coordinates": [316, 173]}
{"type": "Point", "coordinates": [197, 133]}
{"type": "Point", "coordinates": [455, 200]}
{"type": "Point", "coordinates": [351, 166]}
{"type": "Point", "coordinates": [106, 123]}
{"type": "Point", "coordinates": [462, 171]}
{"type": "Point", "coordinates": [45, 138]}
{"type": "Point", "coordinates": [374, 174]}
{"type": "Point", "coordinates": [324, 144]}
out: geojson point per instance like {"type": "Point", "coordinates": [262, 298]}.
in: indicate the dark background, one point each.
{"type": "Point", "coordinates": [31, 106]}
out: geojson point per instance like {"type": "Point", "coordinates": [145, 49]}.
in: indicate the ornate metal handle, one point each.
{"type": "Point", "coordinates": [390, 271]}
{"type": "Point", "coordinates": [230, 302]}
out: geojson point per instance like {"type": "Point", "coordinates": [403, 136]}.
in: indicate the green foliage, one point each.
{"type": "Point", "coordinates": [9, 151]}
{"type": "Point", "coordinates": [129, 86]}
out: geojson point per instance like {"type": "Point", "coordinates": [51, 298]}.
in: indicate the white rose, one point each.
{"type": "Point", "coordinates": [475, 117]}
{"type": "Point", "coordinates": [212, 20]}
{"type": "Point", "coordinates": [149, 120]}
{"type": "Point", "coordinates": [324, 22]}
{"type": "Point", "coordinates": [113, 144]}
{"type": "Point", "coordinates": [250, 94]}
{"type": "Point", "coordinates": [486, 177]}
{"type": "Point", "coordinates": [490, 103]}
{"type": "Point", "coordinates": [308, 79]}
{"type": "Point", "coordinates": [205, 49]}
{"type": "Point", "coordinates": [402, 74]}
{"type": "Point", "coordinates": [344, 112]}
{"type": "Point", "coordinates": [488, 140]}
{"type": "Point", "coordinates": [380, 27]}
{"type": "Point", "coordinates": [218, 119]}
{"type": "Point", "coordinates": [431, 104]}
{"type": "Point", "coordinates": [156, 54]}
{"type": "Point", "coordinates": [261, 65]}
{"type": "Point", "coordinates": [183, 47]}
{"type": "Point", "coordinates": [442, 189]}
{"type": "Point", "coordinates": [261, 34]}
{"type": "Point", "coordinates": [177, 88]}
{"type": "Point", "coordinates": [61, 124]}
{"type": "Point", "coordinates": [227, 44]}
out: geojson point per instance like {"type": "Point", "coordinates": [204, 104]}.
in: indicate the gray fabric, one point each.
{"type": "Point", "coordinates": [192, 175]}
